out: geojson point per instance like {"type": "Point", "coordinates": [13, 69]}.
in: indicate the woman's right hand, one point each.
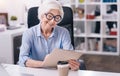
{"type": "Point", "coordinates": [45, 59]}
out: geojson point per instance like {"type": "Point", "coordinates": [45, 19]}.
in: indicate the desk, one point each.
{"type": "Point", "coordinates": [15, 70]}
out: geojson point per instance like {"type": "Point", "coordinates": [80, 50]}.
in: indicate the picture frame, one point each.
{"type": "Point", "coordinates": [4, 19]}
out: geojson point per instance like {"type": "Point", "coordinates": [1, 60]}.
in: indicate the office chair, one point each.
{"type": "Point", "coordinates": [67, 22]}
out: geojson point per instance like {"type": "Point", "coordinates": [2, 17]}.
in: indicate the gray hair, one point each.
{"type": "Point", "coordinates": [47, 6]}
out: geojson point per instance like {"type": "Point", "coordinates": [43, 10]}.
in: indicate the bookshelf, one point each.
{"type": "Point", "coordinates": [96, 26]}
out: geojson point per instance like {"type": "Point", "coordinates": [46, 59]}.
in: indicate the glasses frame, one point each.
{"type": "Point", "coordinates": [46, 14]}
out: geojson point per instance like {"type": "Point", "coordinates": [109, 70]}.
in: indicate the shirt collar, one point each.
{"type": "Point", "coordinates": [39, 31]}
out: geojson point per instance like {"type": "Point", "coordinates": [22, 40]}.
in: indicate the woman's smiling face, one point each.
{"type": "Point", "coordinates": [50, 19]}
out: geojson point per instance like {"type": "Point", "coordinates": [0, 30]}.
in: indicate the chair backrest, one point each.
{"type": "Point", "coordinates": [67, 21]}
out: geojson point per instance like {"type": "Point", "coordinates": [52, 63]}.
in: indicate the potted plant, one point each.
{"type": "Point", "coordinates": [14, 20]}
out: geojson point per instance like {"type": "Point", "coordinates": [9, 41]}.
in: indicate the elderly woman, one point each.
{"type": "Point", "coordinates": [40, 40]}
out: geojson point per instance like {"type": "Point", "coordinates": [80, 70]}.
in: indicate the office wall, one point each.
{"type": "Point", "coordinates": [14, 7]}
{"type": "Point", "coordinates": [19, 8]}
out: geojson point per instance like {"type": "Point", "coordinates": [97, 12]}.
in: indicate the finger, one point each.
{"type": "Point", "coordinates": [74, 62]}
{"type": "Point", "coordinates": [74, 65]}
{"type": "Point", "coordinates": [74, 68]}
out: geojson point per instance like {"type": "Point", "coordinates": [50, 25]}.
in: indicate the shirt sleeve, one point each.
{"type": "Point", "coordinates": [25, 48]}
{"type": "Point", "coordinates": [66, 41]}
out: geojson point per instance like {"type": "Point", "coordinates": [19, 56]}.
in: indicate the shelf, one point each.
{"type": "Point", "coordinates": [79, 19]}
{"type": "Point", "coordinates": [110, 36]}
{"type": "Point", "coordinates": [95, 26]}
{"type": "Point", "coordinates": [93, 3]}
{"type": "Point", "coordinates": [80, 35]}
{"type": "Point", "coordinates": [93, 35]}
{"type": "Point", "coordinates": [98, 53]}
{"type": "Point", "coordinates": [109, 3]}
{"type": "Point", "coordinates": [93, 19]}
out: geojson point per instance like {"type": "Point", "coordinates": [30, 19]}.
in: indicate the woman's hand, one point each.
{"type": "Point", "coordinates": [47, 56]}
{"type": "Point", "coordinates": [74, 65]}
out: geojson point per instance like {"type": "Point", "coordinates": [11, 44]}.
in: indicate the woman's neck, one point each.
{"type": "Point", "coordinates": [46, 32]}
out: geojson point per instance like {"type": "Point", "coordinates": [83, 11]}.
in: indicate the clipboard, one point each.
{"type": "Point", "coordinates": [60, 55]}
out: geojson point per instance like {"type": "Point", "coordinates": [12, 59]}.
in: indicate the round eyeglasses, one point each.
{"type": "Point", "coordinates": [50, 16]}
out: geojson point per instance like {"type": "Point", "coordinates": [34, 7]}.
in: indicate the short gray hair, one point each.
{"type": "Point", "coordinates": [47, 6]}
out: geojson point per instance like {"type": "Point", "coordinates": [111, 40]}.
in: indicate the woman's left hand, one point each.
{"type": "Point", "coordinates": [74, 65]}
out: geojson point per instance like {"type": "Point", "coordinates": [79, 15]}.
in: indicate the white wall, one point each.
{"type": "Point", "coordinates": [14, 7]}
{"type": "Point", "coordinates": [17, 8]}
{"type": "Point", "coordinates": [20, 7]}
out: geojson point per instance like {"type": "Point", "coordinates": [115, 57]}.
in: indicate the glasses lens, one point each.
{"type": "Point", "coordinates": [57, 18]}
{"type": "Point", "coordinates": [49, 16]}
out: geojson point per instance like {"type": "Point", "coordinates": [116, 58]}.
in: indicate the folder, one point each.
{"type": "Point", "coordinates": [60, 55]}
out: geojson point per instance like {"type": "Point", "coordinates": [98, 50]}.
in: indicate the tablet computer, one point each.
{"type": "Point", "coordinates": [60, 55]}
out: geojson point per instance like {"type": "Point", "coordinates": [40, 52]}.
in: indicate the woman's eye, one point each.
{"type": "Point", "coordinates": [50, 16]}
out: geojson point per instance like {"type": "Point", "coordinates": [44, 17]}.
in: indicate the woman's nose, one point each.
{"type": "Point", "coordinates": [52, 20]}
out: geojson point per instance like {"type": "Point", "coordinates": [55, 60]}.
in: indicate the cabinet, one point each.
{"type": "Point", "coordinates": [16, 47]}
{"type": "Point", "coordinates": [10, 41]}
{"type": "Point", "coordinates": [96, 26]}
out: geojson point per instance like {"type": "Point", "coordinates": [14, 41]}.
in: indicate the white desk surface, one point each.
{"type": "Point", "coordinates": [15, 70]}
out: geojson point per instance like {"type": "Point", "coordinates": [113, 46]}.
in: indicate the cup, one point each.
{"type": "Point", "coordinates": [63, 68]}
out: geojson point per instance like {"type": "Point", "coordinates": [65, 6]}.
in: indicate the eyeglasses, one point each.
{"type": "Point", "coordinates": [50, 16]}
